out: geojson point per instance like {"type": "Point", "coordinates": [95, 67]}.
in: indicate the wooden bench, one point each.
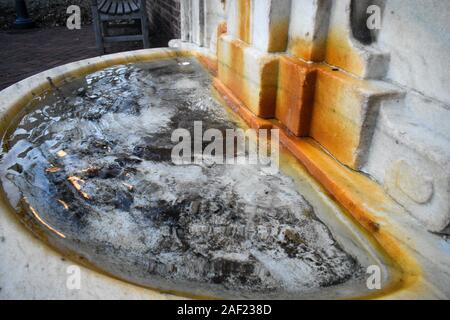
{"type": "Point", "coordinates": [104, 12]}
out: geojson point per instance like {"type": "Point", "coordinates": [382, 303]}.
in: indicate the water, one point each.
{"type": "Point", "coordinates": [88, 168]}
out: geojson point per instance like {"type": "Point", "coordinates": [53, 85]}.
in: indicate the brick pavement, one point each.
{"type": "Point", "coordinates": [27, 52]}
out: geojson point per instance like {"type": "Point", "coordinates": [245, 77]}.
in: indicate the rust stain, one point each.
{"type": "Point", "coordinates": [295, 98]}
{"type": "Point", "coordinates": [269, 87]}
{"type": "Point", "coordinates": [239, 108]}
{"type": "Point", "coordinates": [222, 28]}
{"type": "Point", "coordinates": [309, 99]}
{"type": "Point", "coordinates": [244, 16]}
{"type": "Point", "coordinates": [336, 121]}
{"type": "Point", "coordinates": [340, 53]}
{"type": "Point", "coordinates": [301, 48]}
{"type": "Point", "coordinates": [357, 194]}
{"type": "Point", "coordinates": [326, 104]}
{"type": "Point", "coordinates": [232, 67]}
{"type": "Point", "coordinates": [306, 49]}
{"type": "Point", "coordinates": [259, 95]}
{"type": "Point", "coordinates": [209, 63]}
{"type": "Point", "coordinates": [278, 36]}
{"type": "Point", "coordinates": [360, 197]}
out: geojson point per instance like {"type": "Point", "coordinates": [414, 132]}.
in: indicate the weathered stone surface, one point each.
{"type": "Point", "coordinates": [344, 114]}
{"type": "Point", "coordinates": [239, 19]}
{"type": "Point", "coordinates": [345, 52]}
{"type": "Point", "coordinates": [295, 96]}
{"type": "Point", "coordinates": [410, 157]}
{"type": "Point", "coordinates": [251, 74]}
{"type": "Point", "coordinates": [308, 34]}
{"type": "Point", "coordinates": [417, 38]}
{"type": "Point", "coordinates": [270, 25]}
{"type": "Point", "coordinates": [264, 24]}
{"type": "Point", "coordinates": [344, 111]}
{"type": "Point", "coordinates": [403, 177]}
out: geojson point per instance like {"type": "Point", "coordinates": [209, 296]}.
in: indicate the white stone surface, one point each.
{"type": "Point", "coordinates": [410, 153]}
{"type": "Point", "coordinates": [199, 21]}
{"type": "Point", "coordinates": [416, 33]}
{"type": "Point", "coordinates": [214, 15]}
{"type": "Point", "coordinates": [410, 156]}
{"type": "Point", "coordinates": [232, 15]}
{"type": "Point", "coordinates": [269, 24]}
{"type": "Point", "coordinates": [185, 20]}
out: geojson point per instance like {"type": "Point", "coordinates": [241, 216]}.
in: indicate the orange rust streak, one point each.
{"type": "Point", "coordinates": [269, 79]}
{"type": "Point", "coordinates": [238, 107]}
{"type": "Point", "coordinates": [340, 53]}
{"type": "Point", "coordinates": [222, 28]}
{"type": "Point", "coordinates": [307, 49]}
{"type": "Point", "coordinates": [244, 7]}
{"type": "Point", "coordinates": [257, 92]}
{"type": "Point", "coordinates": [295, 98]}
{"type": "Point", "coordinates": [302, 48]}
{"type": "Point", "coordinates": [355, 192]}
{"type": "Point", "coordinates": [210, 64]}
{"type": "Point", "coordinates": [278, 36]}
{"type": "Point", "coordinates": [336, 117]}
{"type": "Point", "coordinates": [232, 68]}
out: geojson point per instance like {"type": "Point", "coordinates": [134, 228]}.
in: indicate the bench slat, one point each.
{"type": "Point", "coordinates": [126, 6]}
{"type": "Point", "coordinates": [120, 8]}
{"type": "Point", "coordinates": [113, 8]}
{"type": "Point", "coordinates": [133, 5]}
{"type": "Point", "coordinates": [137, 37]}
{"type": "Point", "coordinates": [102, 4]}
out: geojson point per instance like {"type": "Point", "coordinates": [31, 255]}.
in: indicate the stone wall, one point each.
{"type": "Point", "coordinates": [45, 13]}
{"type": "Point", "coordinates": [164, 17]}
{"type": "Point", "coordinates": [380, 104]}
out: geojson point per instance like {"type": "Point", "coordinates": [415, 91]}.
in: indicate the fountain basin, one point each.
{"type": "Point", "coordinates": [376, 245]}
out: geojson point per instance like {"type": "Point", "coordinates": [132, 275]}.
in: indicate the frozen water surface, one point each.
{"type": "Point", "coordinates": [88, 168]}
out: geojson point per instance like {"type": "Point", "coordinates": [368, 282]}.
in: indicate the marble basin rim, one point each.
{"type": "Point", "coordinates": [15, 97]}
